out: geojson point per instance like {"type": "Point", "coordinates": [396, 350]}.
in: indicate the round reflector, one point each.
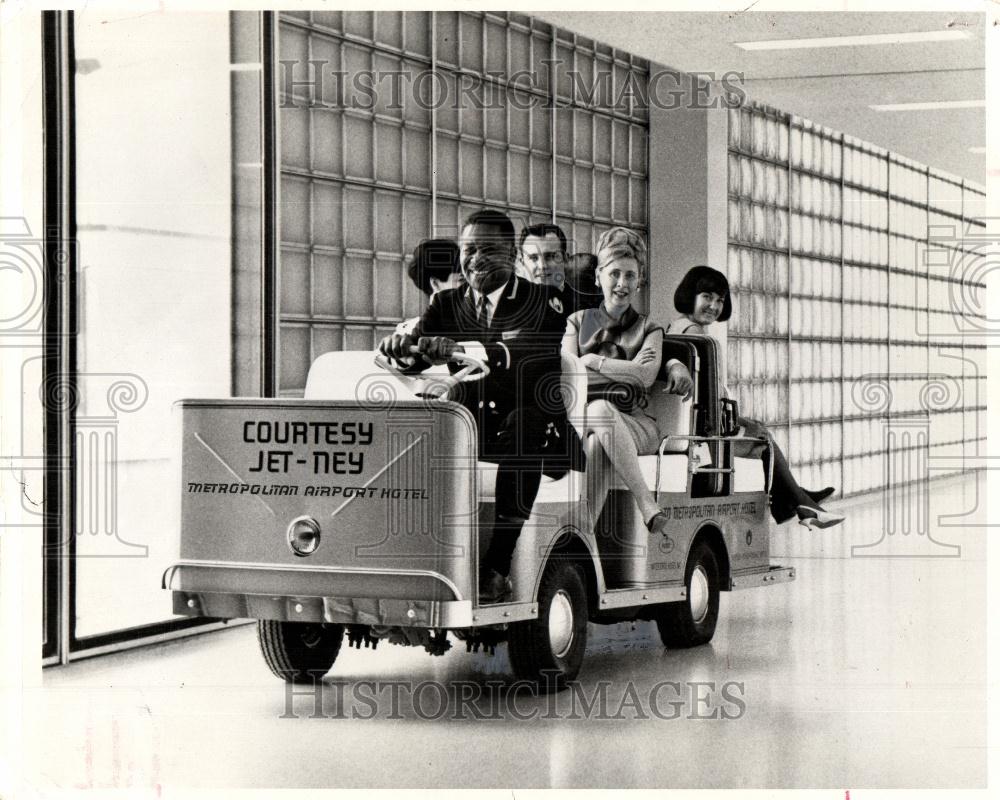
{"type": "Point", "coordinates": [303, 536]}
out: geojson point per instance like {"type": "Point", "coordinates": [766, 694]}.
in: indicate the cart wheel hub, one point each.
{"type": "Point", "coordinates": [561, 624]}
{"type": "Point", "coordinates": [698, 593]}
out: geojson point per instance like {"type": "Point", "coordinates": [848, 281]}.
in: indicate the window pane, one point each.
{"type": "Point", "coordinates": [156, 291]}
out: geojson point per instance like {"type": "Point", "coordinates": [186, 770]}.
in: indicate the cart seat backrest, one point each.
{"type": "Point", "coordinates": [701, 355]}
{"type": "Point", "coordinates": [336, 375]}
{"type": "Point", "coordinates": [672, 414]}
{"type": "Point", "coordinates": [353, 376]}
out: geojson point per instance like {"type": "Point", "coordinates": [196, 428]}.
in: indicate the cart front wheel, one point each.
{"type": "Point", "coordinates": [299, 652]}
{"type": "Point", "coordinates": [691, 622]}
{"type": "Point", "coordinates": [547, 652]}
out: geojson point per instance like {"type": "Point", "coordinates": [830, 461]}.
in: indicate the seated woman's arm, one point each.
{"type": "Point", "coordinates": [571, 338]}
{"type": "Point", "coordinates": [640, 371]}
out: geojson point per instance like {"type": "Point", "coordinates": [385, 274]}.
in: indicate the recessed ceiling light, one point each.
{"type": "Point", "coordinates": [930, 106]}
{"type": "Point", "coordinates": [854, 41]}
{"type": "Point", "coordinates": [977, 149]}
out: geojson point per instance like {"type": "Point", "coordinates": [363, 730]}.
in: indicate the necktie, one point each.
{"type": "Point", "coordinates": [483, 317]}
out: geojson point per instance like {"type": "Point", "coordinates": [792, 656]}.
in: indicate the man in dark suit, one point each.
{"type": "Point", "coordinates": [542, 250]}
{"type": "Point", "coordinates": [512, 325]}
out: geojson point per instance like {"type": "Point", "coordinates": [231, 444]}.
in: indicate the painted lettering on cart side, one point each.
{"type": "Point", "coordinates": [314, 433]}
{"type": "Point", "coordinates": [322, 462]}
{"type": "Point", "coordinates": [748, 508]}
{"type": "Point", "coordinates": [379, 492]}
{"type": "Point", "coordinates": [311, 434]}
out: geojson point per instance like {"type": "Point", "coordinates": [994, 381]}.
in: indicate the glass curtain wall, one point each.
{"type": "Point", "coordinates": [417, 119]}
{"type": "Point", "coordinates": [160, 171]}
{"type": "Point", "coordinates": [854, 300]}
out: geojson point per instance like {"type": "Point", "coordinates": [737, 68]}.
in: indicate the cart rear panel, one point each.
{"type": "Point", "coordinates": [390, 490]}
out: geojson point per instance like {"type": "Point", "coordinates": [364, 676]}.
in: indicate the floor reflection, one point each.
{"type": "Point", "coordinates": [863, 672]}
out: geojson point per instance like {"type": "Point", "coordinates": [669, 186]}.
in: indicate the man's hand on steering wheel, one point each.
{"type": "Point", "coordinates": [397, 346]}
{"type": "Point", "coordinates": [438, 349]}
{"type": "Point", "coordinates": [401, 348]}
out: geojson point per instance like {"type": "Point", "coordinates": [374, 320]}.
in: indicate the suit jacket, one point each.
{"type": "Point", "coordinates": [522, 345]}
{"type": "Point", "coordinates": [565, 300]}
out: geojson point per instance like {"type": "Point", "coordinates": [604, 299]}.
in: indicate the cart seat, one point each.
{"type": "Point", "coordinates": [749, 475]}
{"type": "Point", "coordinates": [675, 417]}
{"type": "Point", "coordinates": [352, 375]}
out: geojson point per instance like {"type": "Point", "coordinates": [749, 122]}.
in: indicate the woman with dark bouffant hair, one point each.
{"type": "Point", "coordinates": [621, 348]}
{"type": "Point", "coordinates": [703, 298]}
{"type": "Point", "coordinates": [433, 267]}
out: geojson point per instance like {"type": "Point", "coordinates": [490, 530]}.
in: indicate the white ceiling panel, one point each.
{"type": "Point", "coordinates": [833, 86]}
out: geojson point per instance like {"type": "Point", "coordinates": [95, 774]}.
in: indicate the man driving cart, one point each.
{"type": "Point", "coordinates": [511, 325]}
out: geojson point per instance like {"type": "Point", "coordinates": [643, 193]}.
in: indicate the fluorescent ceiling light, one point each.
{"type": "Point", "coordinates": [977, 149]}
{"type": "Point", "coordinates": [935, 105]}
{"type": "Point", "coordinates": [854, 41]}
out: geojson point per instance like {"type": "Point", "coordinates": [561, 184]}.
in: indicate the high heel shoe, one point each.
{"type": "Point", "coordinates": [659, 523]}
{"type": "Point", "coordinates": [817, 517]}
{"type": "Point", "coordinates": [821, 495]}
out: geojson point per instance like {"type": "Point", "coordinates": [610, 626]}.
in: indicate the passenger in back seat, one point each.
{"type": "Point", "coordinates": [703, 298]}
{"type": "Point", "coordinates": [433, 267]}
{"type": "Point", "coordinates": [621, 350]}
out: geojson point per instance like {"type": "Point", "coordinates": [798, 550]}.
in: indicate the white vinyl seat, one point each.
{"type": "Point", "coordinates": [353, 375]}
{"type": "Point", "coordinates": [674, 417]}
{"type": "Point", "coordinates": [749, 476]}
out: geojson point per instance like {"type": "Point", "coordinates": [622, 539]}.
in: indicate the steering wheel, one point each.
{"type": "Point", "coordinates": [473, 369]}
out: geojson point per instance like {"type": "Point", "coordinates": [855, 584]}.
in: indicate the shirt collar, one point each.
{"type": "Point", "coordinates": [494, 296]}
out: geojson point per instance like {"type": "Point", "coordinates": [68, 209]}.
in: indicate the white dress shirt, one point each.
{"type": "Point", "coordinates": [476, 349]}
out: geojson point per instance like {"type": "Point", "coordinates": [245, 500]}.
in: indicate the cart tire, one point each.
{"type": "Point", "coordinates": [547, 652]}
{"type": "Point", "coordinates": [299, 652]}
{"type": "Point", "coordinates": [691, 622]}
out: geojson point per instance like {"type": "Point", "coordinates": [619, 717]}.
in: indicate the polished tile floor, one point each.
{"type": "Point", "coordinates": [868, 671]}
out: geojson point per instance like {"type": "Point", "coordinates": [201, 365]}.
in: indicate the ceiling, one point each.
{"type": "Point", "coordinates": [832, 86]}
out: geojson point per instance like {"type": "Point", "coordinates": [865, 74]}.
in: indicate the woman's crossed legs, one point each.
{"type": "Point", "coordinates": [618, 442]}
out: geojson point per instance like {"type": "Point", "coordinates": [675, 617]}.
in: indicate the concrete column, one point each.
{"type": "Point", "coordinates": [687, 185]}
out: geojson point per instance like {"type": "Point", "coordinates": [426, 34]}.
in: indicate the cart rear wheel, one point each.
{"type": "Point", "coordinates": [299, 652]}
{"type": "Point", "coordinates": [547, 652]}
{"type": "Point", "coordinates": [691, 622]}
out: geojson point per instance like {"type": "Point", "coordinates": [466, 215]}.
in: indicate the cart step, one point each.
{"type": "Point", "coordinates": [761, 577]}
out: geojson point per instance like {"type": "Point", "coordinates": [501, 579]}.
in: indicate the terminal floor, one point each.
{"type": "Point", "coordinates": [868, 671]}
